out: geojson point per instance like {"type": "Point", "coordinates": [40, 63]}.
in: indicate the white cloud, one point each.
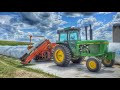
{"type": "Point", "coordinates": [90, 20]}
{"type": "Point", "coordinates": [77, 14]}
{"type": "Point", "coordinates": [100, 31]}
{"type": "Point", "coordinates": [5, 19]}
{"type": "Point", "coordinates": [104, 32]}
{"type": "Point", "coordinates": [86, 21]}
{"type": "Point", "coordinates": [21, 26]}
{"type": "Point", "coordinates": [43, 20]}
{"type": "Point", "coordinates": [15, 27]}
{"type": "Point", "coordinates": [73, 14]}
{"type": "Point", "coordinates": [48, 23]}
{"type": "Point", "coordinates": [96, 24]}
{"type": "Point", "coordinates": [116, 18]}
{"type": "Point", "coordinates": [104, 12]}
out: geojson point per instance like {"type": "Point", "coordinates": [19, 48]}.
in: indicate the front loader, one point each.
{"type": "Point", "coordinates": [71, 48]}
{"type": "Point", "coordinates": [42, 50]}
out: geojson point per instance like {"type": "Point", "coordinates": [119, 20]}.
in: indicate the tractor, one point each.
{"type": "Point", "coordinates": [70, 47]}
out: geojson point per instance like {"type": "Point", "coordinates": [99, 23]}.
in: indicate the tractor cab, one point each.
{"type": "Point", "coordinates": [68, 34]}
{"type": "Point", "coordinates": [73, 34]}
{"type": "Point", "coordinates": [69, 37]}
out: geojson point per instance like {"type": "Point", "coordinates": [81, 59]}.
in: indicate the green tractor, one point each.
{"type": "Point", "coordinates": [71, 48]}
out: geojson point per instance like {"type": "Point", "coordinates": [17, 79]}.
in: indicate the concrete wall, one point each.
{"type": "Point", "coordinates": [116, 33]}
{"type": "Point", "coordinates": [115, 45]}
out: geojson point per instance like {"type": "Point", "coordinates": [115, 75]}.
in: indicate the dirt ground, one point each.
{"type": "Point", "coordinates": [76, 70]}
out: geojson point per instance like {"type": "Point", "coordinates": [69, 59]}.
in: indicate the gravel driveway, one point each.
{"type": "Point", "coordinates": [76, 70]}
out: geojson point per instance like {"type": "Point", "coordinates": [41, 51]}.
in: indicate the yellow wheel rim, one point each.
{"type": "Point", "coordinates": [92, 64]}
{"type": "Point", "coordinates": [59, 55]}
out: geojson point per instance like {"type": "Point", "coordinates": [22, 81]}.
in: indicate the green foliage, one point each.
{"type": "Point", "coordinates": [12, 68]}
{"type": "Point", "coordinates": [13, 43]}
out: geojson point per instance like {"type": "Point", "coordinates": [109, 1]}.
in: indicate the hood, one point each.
{"type": "Point", "coordinates": [93, 42]}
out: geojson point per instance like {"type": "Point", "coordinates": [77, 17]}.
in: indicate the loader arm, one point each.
{"type": "Point", "coordinates": [27, 57]}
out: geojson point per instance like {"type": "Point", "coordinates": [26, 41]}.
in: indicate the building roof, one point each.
{"type": "Point", "coordinates": [116, 24]}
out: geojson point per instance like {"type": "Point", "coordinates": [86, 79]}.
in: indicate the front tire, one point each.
{"type": "Point", "coordinates": [93, 65]}
{"type": "Point", "coordinates": [62, 55]}
{"type": "Point", "coordinates": [108, 63]}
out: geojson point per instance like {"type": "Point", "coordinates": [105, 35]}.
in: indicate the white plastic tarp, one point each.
{"type": "Point", "coordinates": [13, 51]}
{"type": "Point", "coordinates": [17, 51]}
{"type": "Point", "coordinates": [115, 47]}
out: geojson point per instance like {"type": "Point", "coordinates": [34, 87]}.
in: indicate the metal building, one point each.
{"type": "Point", "coordinates": [116, 32]}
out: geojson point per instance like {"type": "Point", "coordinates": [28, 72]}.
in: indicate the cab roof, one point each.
{"type": "Point", "coordinates": [68, 29]}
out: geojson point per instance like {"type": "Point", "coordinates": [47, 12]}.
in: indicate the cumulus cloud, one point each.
{"type": "Point", "coordinates": [38, 22]}
{"type": "Point", "coordinates": [116, 18]}
{"type": "Point", "coordinates": [104, 12]}
{"type": "Point", "coordinates": [7, 31]}
{"type": "Point", "coordinates": [9, 24]}
{"type": "Point", "coordinates": [10, 27]}
{"type": "Point", "coordinates": [77, 14]}
{"type": "Point", "coordinates": [5, 19]}
{"type": "Point", "coordinates": [100, 30]}
{"type": "Point", "coordinates": [87, 21]}
{"type": "Point", "coordinates": [43, 20]}
{"type": "Point", "coordinates": [105, 32]}
{"type": "Point", "coordinates": [46, 23]}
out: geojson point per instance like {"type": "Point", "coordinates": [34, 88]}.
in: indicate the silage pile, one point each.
{"type": "Point", "coordinates": [13, 51]}
{"type": "Point", "coordinates": [115, 47]}
{"type": "Point", "coordinates": [19, 51]}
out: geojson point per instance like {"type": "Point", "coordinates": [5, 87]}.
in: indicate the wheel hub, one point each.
{"type": "Point", "coordinates": [59, 55]}
{"type": "Point", "coordinates": [107, 61]}
{"type": "Point", "coordinates": [92, 64]}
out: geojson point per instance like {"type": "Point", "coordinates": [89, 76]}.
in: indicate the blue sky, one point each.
{"type": "Point", "coordinates": [18, 25]}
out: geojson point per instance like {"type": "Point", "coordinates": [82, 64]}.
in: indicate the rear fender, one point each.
{"type": "Point", "coordinates": [110, 56]}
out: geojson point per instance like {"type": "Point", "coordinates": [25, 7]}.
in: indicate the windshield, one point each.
{"type": "Point", "coordinates": [73, 36]}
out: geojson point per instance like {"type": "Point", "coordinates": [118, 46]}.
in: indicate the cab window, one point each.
{"type": "Point", "coordinates": [63, 37]}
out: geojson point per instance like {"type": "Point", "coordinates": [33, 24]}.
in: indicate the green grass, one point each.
{"type": "Point", "coordinates": [11, 68]}
{"type": "Point", "coordinates": [13, 43]}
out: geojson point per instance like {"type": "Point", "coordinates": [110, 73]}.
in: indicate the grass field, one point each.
{"type": "Point", "coordinates": [11, 68]}
{"type": "Point", "coordinates": [13, 43]}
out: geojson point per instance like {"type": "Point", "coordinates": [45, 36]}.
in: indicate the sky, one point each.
{"type": "Point", "coordinates": [18, 26]}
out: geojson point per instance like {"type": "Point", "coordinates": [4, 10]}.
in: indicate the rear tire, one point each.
{"type": "Point", "coordinates": [62, 55]}
{"type": "Point", "coordinates": [108, 63]}
{"type": "Point", "coordinates": [93, 65]}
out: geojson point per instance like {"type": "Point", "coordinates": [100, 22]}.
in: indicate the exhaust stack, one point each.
{"type": "Point", "coordinates": [86, 32]}
{"type": "Point", "coordinates": [91, 33]}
